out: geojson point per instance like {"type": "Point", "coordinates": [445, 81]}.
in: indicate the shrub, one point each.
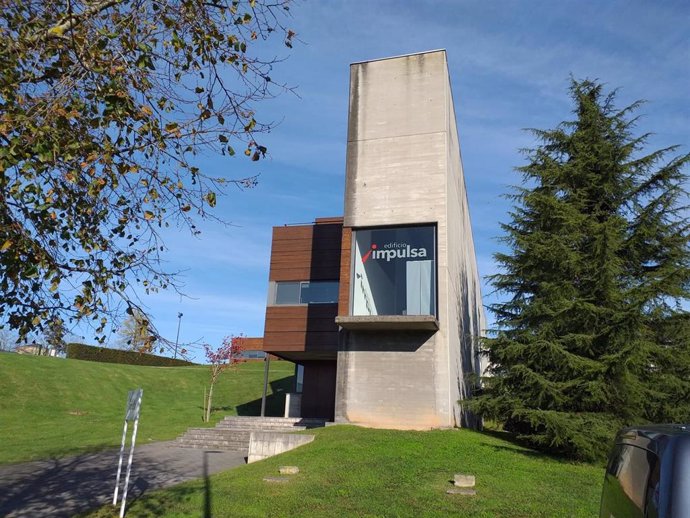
{"type": "Point", "coordinates": [105, 355]}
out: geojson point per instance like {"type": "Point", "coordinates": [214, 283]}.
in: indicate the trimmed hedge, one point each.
{"type": "Point", "coordinates": [105, 355]}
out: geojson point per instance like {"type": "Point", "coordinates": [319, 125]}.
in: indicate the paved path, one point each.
{"type": "Point", "coordinates": [70, 485]}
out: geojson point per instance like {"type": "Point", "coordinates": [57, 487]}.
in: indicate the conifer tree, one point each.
{"type": "Point", "coordinates": [594, 333]}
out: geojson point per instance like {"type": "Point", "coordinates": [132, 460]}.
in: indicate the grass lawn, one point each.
{"type": "Point", "coordinates": [349, 471]}
{"type": "Point", "coordinates": [53, 407]}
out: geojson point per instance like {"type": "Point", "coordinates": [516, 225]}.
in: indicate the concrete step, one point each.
{"type": "Point", "coordinates": [219, 432]}
{"type": "Point", "coordinates": [214, 446]}
{"type": "Point", "coordinates": [197, 437]}
{"type": "Point", "coordinates": [306, 421]}
{"type": "Point", "coordinates": [210, 439]}
{"type": "Point", "coordinates": [257, 427]}
{"type": "Point", "coordinates": [264, 419]}
{"type": "Point", "coordinates": [224, 431]}
{"type": "Point", "coordinates": [233, 432]}
{"type": "Point", "coordinates": [197, 440]}
{"type": "Point", "coordinates": [215, 438]}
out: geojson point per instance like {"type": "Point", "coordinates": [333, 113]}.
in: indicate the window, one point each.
{"type": "Point", "coordinates": [306, 292]}
{"type": "Point", "coordinates": [319, 292]}
{"type": "Point", "coordinates": [252, 355]}
{"type": "Point", "coordinates": [287, 293]}
{"type": "Point", "coordinates": [652, 493]}
{"type": "Point", "coordinates": [632, 483]}
{"type": "Point", "coordinates": [394, 271]}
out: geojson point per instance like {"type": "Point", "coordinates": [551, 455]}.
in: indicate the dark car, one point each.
{"type": "Point", "coordinates": [648, 473]}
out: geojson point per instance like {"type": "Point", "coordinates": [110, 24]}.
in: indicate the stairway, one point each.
{"type": "Point", "coordinates": [232, 433]}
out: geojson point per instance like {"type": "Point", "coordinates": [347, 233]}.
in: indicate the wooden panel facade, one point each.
{"type": "Point", "coordinates": [304, 253]}
{"type": "Point", "coordinates": [345, 272]}
{"type": "Point", "coordinates": [252, 344]}
{"type": "Point", "coordinates": [301, 328]}
{"type": "Point", "coordinates": [307, 252]}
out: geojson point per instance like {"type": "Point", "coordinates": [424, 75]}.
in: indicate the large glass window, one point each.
{"type": "Point", "coordinates": [318, 292]}
{"type": "Point", "coordinates": [306, 292]}
{"type": "Point", "coordinates": [394, 271]}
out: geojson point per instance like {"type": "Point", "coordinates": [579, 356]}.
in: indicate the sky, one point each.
{"type": "Point", "coordinates": [510, 64]}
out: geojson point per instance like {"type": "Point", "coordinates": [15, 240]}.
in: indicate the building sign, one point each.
{"type": "Point", "coordinates": [133, 404]}
{"type": "Point", "coordinates": [394, 271]}
{"type": "Point", "coordinates": [392, 251]}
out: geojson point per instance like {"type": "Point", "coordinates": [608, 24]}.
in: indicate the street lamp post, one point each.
{"type": "Point", "coordinates": [177, 339]}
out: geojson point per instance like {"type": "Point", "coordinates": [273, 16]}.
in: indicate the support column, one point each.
{"type": "Point", "coordinates": [267, 362]}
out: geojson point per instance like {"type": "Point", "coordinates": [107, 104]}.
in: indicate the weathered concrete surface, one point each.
{"type": "Point", "coordinates": [462, 480]}
{"type": "Point", "coordinates": [276, 480]}
{"type": "Point", "coordinates": [386, 322]}
{"type": "Point", "coordinates": [288, 470]}
{"type": "Point", "coordinates": [465, 311]}
{"type": "Point", "coordinates": [404, 167]}
{"type": "Point", "coordinates": [388, 380]}
{"type": "Point", "coordinates": [461, 491]}
{"type": "Point", "coordinates": [267, 444]}
{"type": "Point", "coordinates": [63, 487]}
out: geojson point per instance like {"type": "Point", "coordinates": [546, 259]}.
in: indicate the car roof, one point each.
{"type": "Point", "coordinates": [656, 438]}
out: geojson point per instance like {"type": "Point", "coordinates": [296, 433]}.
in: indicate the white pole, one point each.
{"type": "Point", "coordinates": [131, 456]}
{"type": "Point", "coordinates": [119, 464]}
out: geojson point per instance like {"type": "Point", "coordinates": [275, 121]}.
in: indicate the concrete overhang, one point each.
{"type": "Point", "coordinates": [303, 356]}
{"type": "Point", "coordinates": [388, 322]}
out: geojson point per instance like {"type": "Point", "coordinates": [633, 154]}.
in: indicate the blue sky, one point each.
{"type": "Point", "coordinates": [510, 63]}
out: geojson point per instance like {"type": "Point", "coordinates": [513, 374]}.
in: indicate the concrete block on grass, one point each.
{"type": "Point", "coordinates": [462, 480]}
{"type": "Point", "coordinates": [276, 480]}
{"type": "Point", "coordinates": [461, 491]}
{"type": "Point", "coordinates": [267, 444]}
{"type": "Point", "coordinates": [288, 470]}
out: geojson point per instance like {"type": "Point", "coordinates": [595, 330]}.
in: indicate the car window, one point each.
{"type": "Point", "coordinates": [628, 484]}
{"type": "Point", "coordinates": [652, 493]}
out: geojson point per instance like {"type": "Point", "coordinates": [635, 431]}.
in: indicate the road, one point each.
{"type": "Point", "coordinates": [63, 487]}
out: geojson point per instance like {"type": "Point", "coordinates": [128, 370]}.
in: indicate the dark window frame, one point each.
{"type": "Point", "coordinates": [353, 251]}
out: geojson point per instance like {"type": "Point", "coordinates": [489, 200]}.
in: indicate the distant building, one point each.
{"type": "Point", "coordinates": [35, 349]}
{"type": "Point", "coordinates": [381, 309]}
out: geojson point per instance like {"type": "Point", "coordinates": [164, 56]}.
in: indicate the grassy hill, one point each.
{"type": "Point", "coordinates": [349, 471]}
{"type": "Point", "coordinates": [52, 406]}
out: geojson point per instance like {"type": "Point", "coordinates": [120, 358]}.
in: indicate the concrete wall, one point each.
{"type": "Point", "coordinates": [267, 444]}
{"type": "Point", "coordinates": [403, 167]}
{"type": "Point", "coordinates": [465, 310]}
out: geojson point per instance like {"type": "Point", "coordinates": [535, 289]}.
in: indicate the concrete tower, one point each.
{"type": "Point", "coordinates": [410, 309]}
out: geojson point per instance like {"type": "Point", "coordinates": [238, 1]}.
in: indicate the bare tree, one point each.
{"type": "Point", "coordinates": [8, 340]}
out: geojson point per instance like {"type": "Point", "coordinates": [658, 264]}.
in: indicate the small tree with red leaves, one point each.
{"type": "Point", "coordinates": [226, 356]}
